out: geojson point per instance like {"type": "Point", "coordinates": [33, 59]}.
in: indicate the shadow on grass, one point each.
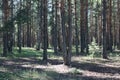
{"type": "Point", "coordinates": [27, 53]}
{"type": "Point", "coordinates": [14, 70]}
{"type": "Point", "coordinates": [96, 67]}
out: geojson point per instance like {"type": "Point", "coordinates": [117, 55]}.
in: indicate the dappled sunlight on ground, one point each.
{"type": "Point", "coordinates": [85, 68]}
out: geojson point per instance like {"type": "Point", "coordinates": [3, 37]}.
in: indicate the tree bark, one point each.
{"type": "Point", "coordinates": [104, 30]}
{"type": "Point", "coordinates": [76, 29]}
{"type": "Point", "coordinates": [5, 33]}
{"type": "Point", "coordinates": [45, 31]}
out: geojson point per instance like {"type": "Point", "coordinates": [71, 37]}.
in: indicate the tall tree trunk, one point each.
{"type": "Point", "coordinates": [59, 29]}
{"type": "Point", "coordinates": [63, 30]}
{"type": "Point", "coordinates": [86, 25]}
{"type": "Point", "coordinates": [45, 29]}
{"type": "Point", "coordinates": [96, 22]}
{"type": "Point", "coordinates": [104, 29]}
{"type": "Point", "coordinates": [76, 29]}
{"type": "Point", "coordinates": [40, 13]}
{"type": "Point", "coordinates": [114, 27]}
{"type": "Point", "coordinates": [118, 6]}
{"type": "Point", "coordinates": [28, 24]}
{"type": "Point", "coordinates": [5, 33]}
{"type": "Point", "coordinates": [11, 34]}
{"type": "Point", "coordinates": [82, 26]}
{"type": "Point", "coordinates": [55, 28]}
{"type": "Point", "coordinates": [109, 26]}
{"type": "Point", "coordinates": [20, 31]}
{"type": "Point", "coordinates": [69, 35]}
{"type": "Point", "coordinates": [110, 23]}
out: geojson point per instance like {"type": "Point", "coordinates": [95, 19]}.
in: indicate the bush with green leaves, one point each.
{"type": "Point", "coordinates": [94, 49]}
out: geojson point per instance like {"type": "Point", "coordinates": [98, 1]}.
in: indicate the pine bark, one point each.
{"type": "Point", "coordinates": [5, 33]}
{"type": "Point", "coordinates": [76, 29]}
{"type": "Point", "coordinates": [104, 30]}
{"type": "Point", "coordinates": [45, 31]}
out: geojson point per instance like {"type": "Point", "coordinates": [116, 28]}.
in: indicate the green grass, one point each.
{"type": "Point", "coordinates": [32, 75]}
{"type": "Point", "coordinates": [9, 73]}
{"type": "Point", "coordinates": [35, 75]}
{"type": "Point", "coordinates": [31, 52]}
{"type": "Point", "coordinates": [22, 75]}
{"type": "Point", "coordinates": [28, 52]}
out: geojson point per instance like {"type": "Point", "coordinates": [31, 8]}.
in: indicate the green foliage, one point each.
{"type": "Point", "coordinates": [22, 16]}
{"type": "Point", "coordinates": [8, 26]}
{"type": "Point", "coordinates": [26, 52]}
{"type": "Point", "coordinates": [115, 54]}
{"type": "Point", "coordinates": [94, 49]}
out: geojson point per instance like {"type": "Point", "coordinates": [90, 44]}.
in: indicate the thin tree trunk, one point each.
{"type": "Point", "coordinates": [55, 28]}
{"type": "Point", "coordinates": [118, 6]}
{"type": "Point", "coordinates": [28, 24]}
{"type": "Point", "coordinates": [19, 32]}
{"type": "Point", "coordinates": [87, 37]}
{"type": "Point", "coordinates": [40, 13]}
{"type": "Point", "coordinates": [76, 29]}
{"type": "Point", "coordinates": [110, 35]}
{"type": "Point", "coordinates": [45, 35]}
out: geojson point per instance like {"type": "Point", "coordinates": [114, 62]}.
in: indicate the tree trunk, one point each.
{"type": "Point", "coordinates": [11, 32]}
{"type": "Point", "coordinates": [118, 6]}
{"type": "Point", "coordinates": [40, 13]}
{"type": "Point", "coordinates": [76, 29]}
{"type": "Point", "coordinates": [19, 32]}
{"type": "Point", "coordinates": [5, 33]}
{"type": "Point", "coordinates": [63, 31]}
{"type": "Point", "coordinates": [82, 26]}
{"type": "Point", "coordinates": [45, 31]}
{"type": "Point", "coordinates": [104, 30]}
{"type": "Point", "coordinates": [28, 24]}
{"type": "Point", "coordinates": [86, 25]}
{"type": "Point", "coordinates": [69, 35]}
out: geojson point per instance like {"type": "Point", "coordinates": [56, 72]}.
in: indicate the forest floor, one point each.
{"type": "Point", "coordinates": [82, 68]}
